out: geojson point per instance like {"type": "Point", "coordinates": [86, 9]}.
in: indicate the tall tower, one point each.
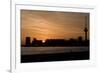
{"type": "Point", "coordinates": [85, 29]}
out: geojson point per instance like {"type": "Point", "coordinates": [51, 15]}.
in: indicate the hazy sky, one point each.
{"type": "Point", "coordinates": [52, 25]}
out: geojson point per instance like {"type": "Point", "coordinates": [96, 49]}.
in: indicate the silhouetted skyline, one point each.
{"type": "Point", "coordinates": [44, 25]}
{"type": "Point", "coordinates": [56, 42]}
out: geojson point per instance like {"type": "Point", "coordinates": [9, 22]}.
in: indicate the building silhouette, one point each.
{"type": "Point", "coordinates": [36, 42]}
{"type": "Point", "coordinates": [56, 42]}
{"type": "Point", "coordinates": [28, 42]}
{"type": "Point", "coordinates": [80, 38]}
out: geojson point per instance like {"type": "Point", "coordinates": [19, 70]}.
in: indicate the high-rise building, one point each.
{"type": "Point", "coordinates": [28, 41]}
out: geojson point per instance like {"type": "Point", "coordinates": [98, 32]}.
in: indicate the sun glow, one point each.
{"type": "Point", "coordinates": [51, 25]}
{"type": "Point", "coordinates": [43, 41]}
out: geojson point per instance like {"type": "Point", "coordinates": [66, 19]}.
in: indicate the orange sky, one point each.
{"type": "Point", "coordinates": [52, 25]}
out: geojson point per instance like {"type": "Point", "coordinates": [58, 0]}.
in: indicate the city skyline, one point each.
{"type": "Point", "coordinates": [53, 25]}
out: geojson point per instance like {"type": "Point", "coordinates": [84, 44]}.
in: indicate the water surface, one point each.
{"type": "Point", "coordinates": [50, 50]}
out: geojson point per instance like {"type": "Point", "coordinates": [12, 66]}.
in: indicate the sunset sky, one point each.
{"type": "Point", "coordinates": [52, 25]}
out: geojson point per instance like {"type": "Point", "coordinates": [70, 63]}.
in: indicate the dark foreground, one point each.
{"type": "Point", "coordinates": [55, 57]}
